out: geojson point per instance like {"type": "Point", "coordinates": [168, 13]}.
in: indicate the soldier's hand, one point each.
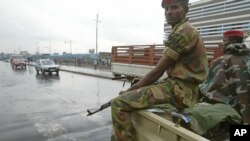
{"type": "Point", "coordinates": [122, 92]}
{"type": "Point", "coordinates": [129, 89]}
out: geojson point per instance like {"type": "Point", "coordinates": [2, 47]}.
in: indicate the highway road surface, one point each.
{"type": "Point", "coordinates": [36, 107]}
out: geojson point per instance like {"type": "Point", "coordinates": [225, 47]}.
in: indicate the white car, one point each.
{"type": "Point", "coordinates": [46, 65]}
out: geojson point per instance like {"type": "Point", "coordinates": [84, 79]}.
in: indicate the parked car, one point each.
{"type": "Point", "coordinates": [46, 65]}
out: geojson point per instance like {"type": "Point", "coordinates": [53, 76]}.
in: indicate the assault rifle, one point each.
{"type": "Point", "coordinates": [108, 104]}
{"type": "Point", "coordinates": [104, 106]}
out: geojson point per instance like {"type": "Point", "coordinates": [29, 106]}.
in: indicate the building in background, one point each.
{"type": "Point", "coordinates": [24, 53]}
{"type": "Point", "coordinates": [213, 17]}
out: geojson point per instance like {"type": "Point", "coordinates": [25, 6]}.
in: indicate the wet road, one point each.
{"type": "Point", "coordinates": [53, 108]}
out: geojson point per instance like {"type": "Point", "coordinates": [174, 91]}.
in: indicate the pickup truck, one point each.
{"type": "Point", "coordinates": [131, 63]}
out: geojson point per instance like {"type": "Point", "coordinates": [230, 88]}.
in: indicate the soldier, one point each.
{"type": "Point", "coordinates": [229, 76]}
{"type": "Point", "coordinates": [184, 60]}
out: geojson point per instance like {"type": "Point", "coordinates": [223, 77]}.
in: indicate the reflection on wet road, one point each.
{"type": "Point", "coordinates": [53, 107]}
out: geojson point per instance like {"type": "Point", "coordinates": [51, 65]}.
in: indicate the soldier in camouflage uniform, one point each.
{"type": "Point", "coordinates": [229, 76]}
{"type": "Point", "coordinates": [185, 62]}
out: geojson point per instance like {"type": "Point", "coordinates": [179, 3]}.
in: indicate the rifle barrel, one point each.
{"type": "Point", "coordinates": [104, 106]}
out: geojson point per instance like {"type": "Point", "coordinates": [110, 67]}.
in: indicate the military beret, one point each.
{"type": "Point", "coordinates": [237, 33]}
{"type": "Point", "coordinates": [167, 2]}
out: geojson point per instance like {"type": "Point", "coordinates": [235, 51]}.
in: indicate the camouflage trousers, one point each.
{"type": "Point", "coordinates": [123, 105]}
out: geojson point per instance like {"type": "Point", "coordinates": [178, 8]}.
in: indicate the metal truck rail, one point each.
{"type": "Point", "coordinates": [134, 61]}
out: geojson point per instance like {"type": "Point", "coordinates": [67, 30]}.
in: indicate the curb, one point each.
{"type": "Point", "coordinates": [83, 73]}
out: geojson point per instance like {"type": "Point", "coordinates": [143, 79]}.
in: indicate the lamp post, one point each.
{"type": "Point", "coordinates": [70, 45]}
{"type": "Point", "coordinates": [49, 43]}
{"type": "Point", "coordinates": [37, 48]}
{"type": "Point", "coordinates": [96, 48]}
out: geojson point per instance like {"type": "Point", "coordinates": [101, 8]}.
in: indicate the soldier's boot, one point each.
{"type": "Point", "coordinates": [112, 138]}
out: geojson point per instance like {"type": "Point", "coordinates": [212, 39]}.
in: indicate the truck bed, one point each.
{"type": "Point", "coordinates": [132, 70]}
{"type": "Point", "coordinates": [135, 61]}
{"type": "Point", "coordinates": [152, 127]}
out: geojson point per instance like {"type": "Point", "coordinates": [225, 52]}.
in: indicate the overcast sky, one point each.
{"type": "Point", "coordinates": [50, 25]}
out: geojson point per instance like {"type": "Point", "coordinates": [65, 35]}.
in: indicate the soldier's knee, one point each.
{"type": "Point", "coordinates": [119, 103]}
{"type": "Point", "coordinates": [115, 102]}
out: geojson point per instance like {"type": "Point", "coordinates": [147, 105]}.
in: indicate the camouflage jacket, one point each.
{"type": "Point", "coordinates": [229, 80]}
{"type": "Point", "coordinates": [186, 48]}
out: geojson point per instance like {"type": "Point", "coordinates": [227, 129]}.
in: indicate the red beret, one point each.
{"type": "Point", "coordinates": [167, 2]}
{"type": "Point", "coordinates": [233, 33]}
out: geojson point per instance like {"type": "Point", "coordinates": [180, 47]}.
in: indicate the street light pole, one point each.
{"type": "Point", "coordinates": [37, 47]}
{"type": "Point", "coordinates": [96, 48]}
{"type": "Point", "coordinates": [70, 43]}
{"type": "Point", "coordinates": [49, 48]}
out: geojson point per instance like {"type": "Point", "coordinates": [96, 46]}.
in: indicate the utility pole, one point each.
{"type": "Point", "coordinates": [70, 43]}
{"type": "Point", "coordinates": [49, 47]}
{"type": "Point", "coordinates": [19, 49]}
{"type": "Point", "coordinates": [49, 43]}
{"type": "Point", "coordinates": [37, 48]}
{"type": "Point", "coordinates": [96, 48]}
